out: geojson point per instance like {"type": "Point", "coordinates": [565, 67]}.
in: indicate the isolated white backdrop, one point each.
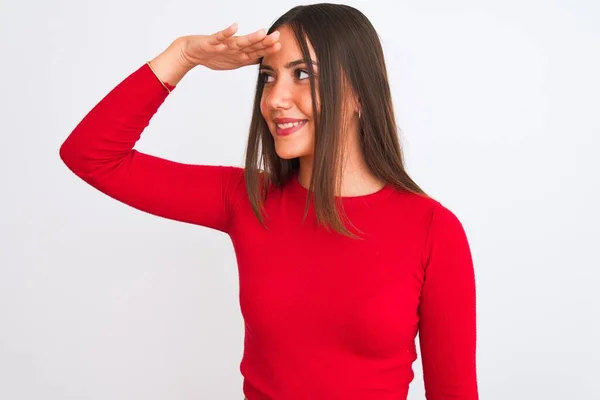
{"type": "Point", "coordinates": [498, 103]}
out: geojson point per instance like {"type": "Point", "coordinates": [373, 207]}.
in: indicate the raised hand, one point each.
{"type": "Point", "coordinates": [223, 51]}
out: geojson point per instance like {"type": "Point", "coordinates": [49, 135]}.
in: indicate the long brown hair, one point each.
{"type": "Point", "coordinates": [348, 51]}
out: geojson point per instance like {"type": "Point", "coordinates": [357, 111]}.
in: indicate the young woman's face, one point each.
{"type": "Point", "coordinates": [286, 103]}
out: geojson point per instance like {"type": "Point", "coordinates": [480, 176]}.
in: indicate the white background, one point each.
{"type": "Point", "coordinates": [498, 102]}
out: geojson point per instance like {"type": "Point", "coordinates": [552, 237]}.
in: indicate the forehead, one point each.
{"type": "Point", "coordinates": [290, 50]}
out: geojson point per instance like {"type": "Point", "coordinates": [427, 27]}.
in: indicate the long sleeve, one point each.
{"type": "Point", "coordinates": [447, 312]}
{"type": "Point", "coordinates": [100, 150]}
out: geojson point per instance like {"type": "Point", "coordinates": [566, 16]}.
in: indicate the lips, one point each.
{"type": "Point", "coordinates": [287, 120]}
{"type": "Point", "coordinates": [290, 125]}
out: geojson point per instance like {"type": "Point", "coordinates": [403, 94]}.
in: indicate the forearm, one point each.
{"type": "Point", "coordinates": [170, 66]}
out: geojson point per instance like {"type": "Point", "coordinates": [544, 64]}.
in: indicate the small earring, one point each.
{"type": "Point", "coordinates": [358, 114]}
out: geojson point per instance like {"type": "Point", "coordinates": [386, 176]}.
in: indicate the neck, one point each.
{"type": "Point", "coordinates": [356, 177]}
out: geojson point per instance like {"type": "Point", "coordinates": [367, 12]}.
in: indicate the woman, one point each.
{"type": "Point", "coordinates": [342, 258]}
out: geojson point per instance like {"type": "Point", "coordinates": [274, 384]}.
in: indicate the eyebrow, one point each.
{"type": "Point", "coordinates": [291, 64]}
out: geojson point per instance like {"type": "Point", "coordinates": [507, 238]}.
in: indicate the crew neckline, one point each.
{"type": "Point", "coordinates": [380, 194]}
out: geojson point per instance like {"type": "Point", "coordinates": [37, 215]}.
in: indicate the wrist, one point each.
{"type": "Point", "coordinates": [169, 66]}
{"type": "Point", "coordinates": [179, 48]}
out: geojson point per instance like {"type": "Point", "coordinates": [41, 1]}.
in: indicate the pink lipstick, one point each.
{"type": "Point", "coordinates": [290, 125]}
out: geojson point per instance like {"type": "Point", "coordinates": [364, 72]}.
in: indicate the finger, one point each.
{"type": "Point", "coordinates": [223, 35]}
{"type": "Point", "coordinates": [266, 42]}
{"type": "Point", "coordinates": [249, 40]}
{"type": "Point", "coordinates": [266, 51]}
{"type": "Point", "coordinates": [252, 61]}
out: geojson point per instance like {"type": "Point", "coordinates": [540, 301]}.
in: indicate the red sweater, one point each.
{"type": "Point", "coordinates": [326, 317]}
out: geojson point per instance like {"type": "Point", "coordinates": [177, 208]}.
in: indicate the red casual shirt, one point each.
{"type": "Point", "coordinates": [326, 317]}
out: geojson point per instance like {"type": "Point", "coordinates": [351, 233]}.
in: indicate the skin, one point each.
{"type": "Point", "coordinates": [287, 95]}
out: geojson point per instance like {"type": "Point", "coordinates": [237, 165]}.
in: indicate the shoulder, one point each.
{"type": "Point", "coordinates": [446, 238]}
{"type": "Point", "coordinates": [237, 184]}
{"type": "Point", "coordinates": [428, 217]}
{"type": "Point", "coordinates": [445, 222]}
{"type": "Point", "coordinates": [428, 208]}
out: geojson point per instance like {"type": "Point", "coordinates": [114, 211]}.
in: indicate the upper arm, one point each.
{"type": "Point", "coordinates": [447, 311]}
{"type": "Point", "coordinates": [100, 150]}
{"type": "Point", "coordinates": [197, 194]}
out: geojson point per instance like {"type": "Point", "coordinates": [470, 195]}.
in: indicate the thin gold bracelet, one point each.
{"type": "Point", "coordinates": [160, 80]}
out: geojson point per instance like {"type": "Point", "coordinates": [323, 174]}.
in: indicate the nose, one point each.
{"type": "Point", "coordinates": [279, 95]}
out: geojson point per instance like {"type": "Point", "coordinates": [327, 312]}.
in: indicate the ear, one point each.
{"type": "Point", "coordinates": [356, 102]}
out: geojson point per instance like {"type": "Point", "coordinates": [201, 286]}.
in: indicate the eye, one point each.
{"type": "Point", "coordinates": [299, 73]}
{"type": "Point", "coordinates": [264, 77]}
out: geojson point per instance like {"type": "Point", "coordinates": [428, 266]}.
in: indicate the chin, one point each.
{"type": "Point", "coordinates": [291, 150]}
{"type": "Point", "coordinates": [289, 155]}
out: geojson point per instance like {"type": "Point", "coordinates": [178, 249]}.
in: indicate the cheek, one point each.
{"type": "Point", "coordinates": [262, 105]}
{"type": "Point", "coordinates": [265, 112]}
{"type": "Point", "coordinates": [305, 103]}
